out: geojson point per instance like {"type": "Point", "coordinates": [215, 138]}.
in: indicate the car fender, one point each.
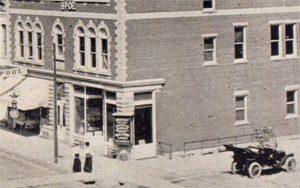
{"type": "Point", "coordinates": [285, 158]}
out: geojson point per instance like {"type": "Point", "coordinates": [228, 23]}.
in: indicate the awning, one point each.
{"type": "Point", "coordinates": [33, 93]}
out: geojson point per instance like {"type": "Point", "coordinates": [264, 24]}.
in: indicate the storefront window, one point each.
{"type": "Point", "coordinates": [94, 115]}
{"type": "Point", "coordinates": [89, 109]}
{"type": "Point", "coordinates": [79, 116]}
{"type": "Point", "coordinates": [110, 109]}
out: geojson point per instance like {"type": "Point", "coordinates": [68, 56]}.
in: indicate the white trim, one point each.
{"type": "Point", "coordinates": [241, 24]}
{"type": "Point", "coordinates": [157, 15]}
{"type": "Point", "coordinates": [241, 93]}
{"type": "Point", "coordinates": [279, 22]}
{"type": "Point", "coordinates": [52, 13]}
{"type": "Point", "coordinates": [291, 88]}
{"type": "Point", "coordinates": [224, 12]}
{"type": "Point", "coordinates": [210, 35]}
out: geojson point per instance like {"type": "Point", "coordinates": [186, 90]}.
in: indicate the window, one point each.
{"type": "Point", "coordinates": [289, 39]}
{"type": "Point", "coordinates": [241, 111]}
{"type": "Point", "coordinates": [29, 41]}
{"type": "Point", "coordinates": [283, 40]}
{"type": "Point", "coordinates": [30, 48]}
{"type": "Point", "coordinates": [4, 38]}
{"type": "Point", "coordinates": [275, 40]}
{"type": "Point", "coordinates": [58, 40]}
{"type": "Point", "coordinates": [93, 48]}
{"type": "Point", "coordinates": [88, 110]}
{"type": "Point", "coordinates": [239, 42]}
{"type": "Point", "coordinates": [21, 43]}
{"type": "Point", "coordinates": [208, 4]}
{"type": "Point", "coordinates": [292, 101]}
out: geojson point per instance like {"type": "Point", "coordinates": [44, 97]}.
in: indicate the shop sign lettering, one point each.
{"type": "Point", "coordinates": [68, 6]}
{"type": "Point", "coordinates": [13, 72]}
{"type": "Point", "coordinates": [122, 131]}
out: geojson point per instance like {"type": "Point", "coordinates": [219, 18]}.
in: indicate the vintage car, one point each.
{"type": "Point", "coordinates": [253, 159]}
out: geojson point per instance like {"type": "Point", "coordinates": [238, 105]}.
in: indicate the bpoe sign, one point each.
{"type": "Point", "coordinates": [122, 130]}
{"type": "Point", "coordinates": [13, 72]}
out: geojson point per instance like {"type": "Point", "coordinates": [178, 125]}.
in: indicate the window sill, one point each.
{"type": "Point", "coordinates": [210, 63]}
{"type": "Point", "coordinates": [240, 61]}
{"type": "Point", "coordinates": [32, 62]}
{"type": "Point", "coordinates": [209, 10]}
{"type": "Point", "coordinates": [291, 116]}
{"type": "Point", "coordinates": [238, 123]}
{"type": "Point", "coordinates": [92, 71]}
{"type": "Point", "coordinates": [279, 58]}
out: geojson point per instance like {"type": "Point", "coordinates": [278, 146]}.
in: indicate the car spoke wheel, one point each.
{"type": "Point", "coordinates": [254, 170]}
{"type": "Point", "coordinates": [290, 164]}
{"type": "Point", "coordinates": [233, 167]}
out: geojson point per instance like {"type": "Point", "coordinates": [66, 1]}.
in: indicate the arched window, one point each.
{"type": "Point", "coordinates": [20, 40]}
{"type": "Point", "coordinates": [29, 41]}
{"type": "Point", "coordinates": [104, 48]}
{"type": "Point", "coordinates": [81, 38]}
{"type": "Point", "coordinates": [58, 39]}
{"type": "Point", "coordinates": [39, 42]}
{"type": "Point", "coordinates": [92, 46]}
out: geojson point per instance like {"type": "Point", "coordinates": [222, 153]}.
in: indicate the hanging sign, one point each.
{"type": "Point", "coordinates": [13, 72]}
{"type": "Point", "coordinates": [122, 130]}
{"type": "Point", "coordinates": [14, 113]}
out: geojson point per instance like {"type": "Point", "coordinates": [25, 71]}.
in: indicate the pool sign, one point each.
{"type": "Point", "coordinates": [122, 130]}
{"type": "Point", "coordinates": [12, 72]}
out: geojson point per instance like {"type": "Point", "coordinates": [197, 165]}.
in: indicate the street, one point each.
{"type": "Point", "coordinates": [16, 168]}
{"type": "Point", "coordinates": [269, 178]}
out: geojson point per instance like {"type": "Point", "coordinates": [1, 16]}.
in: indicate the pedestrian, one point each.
{"type": "Point", "coordinates": [88, 164]}
{"type": "Point", "coordinates": [77, 164]}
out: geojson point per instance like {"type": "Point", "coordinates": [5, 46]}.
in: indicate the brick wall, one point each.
{"type": "Point", "coordinates": [68, 24]}
{"type": "Point", "coordinates": [197, 102]}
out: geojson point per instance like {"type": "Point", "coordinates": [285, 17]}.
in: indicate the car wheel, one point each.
{"type": "Point", "coordinates": [290, 164]}
{"type": "Point", "coordinates": [233, 167]}
{"type": "Point", "coordinates": [254, 170]}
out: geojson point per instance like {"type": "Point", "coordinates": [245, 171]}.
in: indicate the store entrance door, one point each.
{"type": "Point", "coordinates": [144, 145]}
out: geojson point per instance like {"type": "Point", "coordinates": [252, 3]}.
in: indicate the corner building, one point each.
{"type": "Point", "coordinates": [170, 71]}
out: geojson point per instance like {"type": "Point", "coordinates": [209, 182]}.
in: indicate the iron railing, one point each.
{"type": "Point", "coordinates": [162, 150]}
{"type": "Point", "coordinates": [219, 142]}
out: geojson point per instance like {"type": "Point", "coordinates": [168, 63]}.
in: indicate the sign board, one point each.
{"type": "Point", "coordinates": [122, 130]}
{"type": "Point", "coordinates": [14, 113]}
{"type": "Point", "coordinates": [13, 72]}
{"type": "Point", "coordinates": [68, 6]}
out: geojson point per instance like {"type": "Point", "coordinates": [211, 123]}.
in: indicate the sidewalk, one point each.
{"type": "Point", "coordinates": [109, 172]}
{"type": "Point", "coordinates": [155, 172]}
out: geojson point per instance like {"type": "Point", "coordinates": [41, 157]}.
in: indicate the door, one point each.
{"type": "Point", "coordinates": [144, 144]}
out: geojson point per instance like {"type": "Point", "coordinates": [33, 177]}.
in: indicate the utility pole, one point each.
{"type": "Point", "coordinates": [55, 107]}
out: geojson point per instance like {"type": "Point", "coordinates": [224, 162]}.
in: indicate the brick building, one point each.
{"type": "Point", "coordinates": [132, 73]}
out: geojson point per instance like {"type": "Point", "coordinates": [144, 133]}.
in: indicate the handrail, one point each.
{"type": "Point", "coordinates": [170, 145]}
{"type": "Point", "coordinates": [215, 139]}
